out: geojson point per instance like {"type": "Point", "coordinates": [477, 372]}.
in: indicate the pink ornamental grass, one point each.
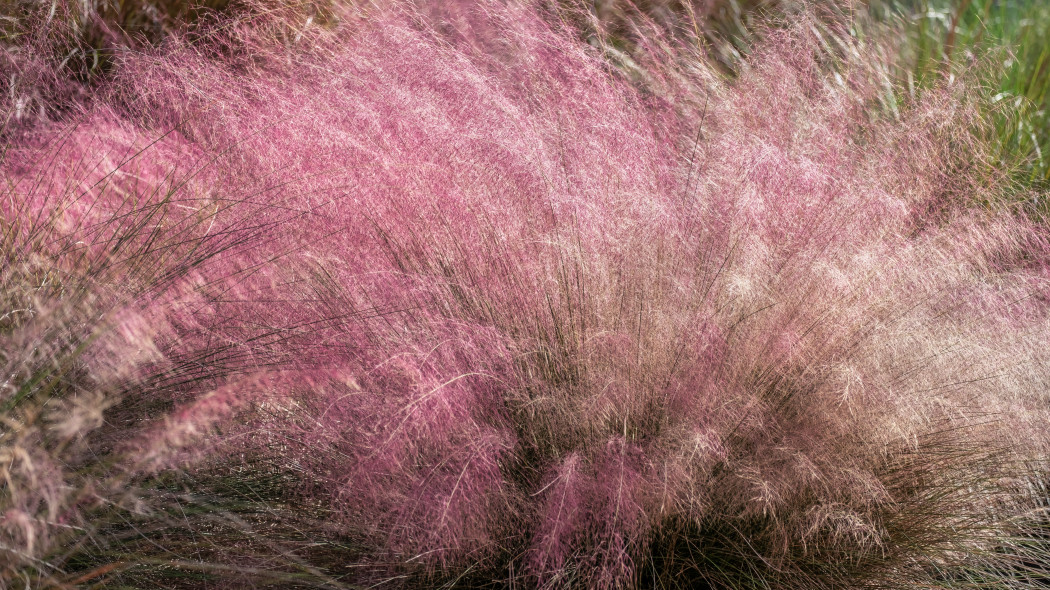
{"type": "Point", "coordinates": [539, 322]}
{"type": "Point", "coordinates": [113, 255]}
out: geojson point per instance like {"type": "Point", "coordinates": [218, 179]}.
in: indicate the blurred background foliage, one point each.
{"type": "Point", "coordinates": [1010, 40]}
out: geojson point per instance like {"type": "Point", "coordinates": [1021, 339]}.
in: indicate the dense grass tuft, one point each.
{"type": "Point", "coordinates": [442, 295]}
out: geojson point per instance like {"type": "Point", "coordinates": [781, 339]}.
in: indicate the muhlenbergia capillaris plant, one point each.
{"type": "Point", "coordinates": [463, 295]}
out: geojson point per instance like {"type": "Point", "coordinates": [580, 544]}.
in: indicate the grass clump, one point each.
{"type": "Point", "coordinates": [439, 296]}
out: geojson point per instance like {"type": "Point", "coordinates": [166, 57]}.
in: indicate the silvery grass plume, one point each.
{"type": "Point", "coordinates": [495, 307]}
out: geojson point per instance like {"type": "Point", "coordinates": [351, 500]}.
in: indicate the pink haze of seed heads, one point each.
{"type": "Point", "coordinates": [496, 297]}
